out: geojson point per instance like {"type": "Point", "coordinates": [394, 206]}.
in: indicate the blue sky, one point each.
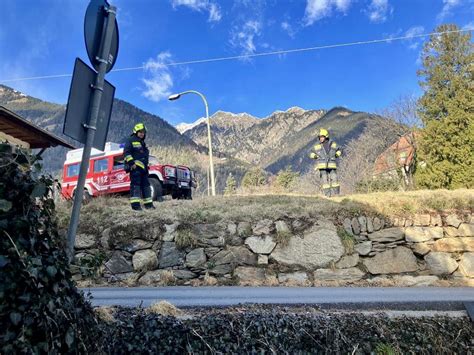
{"type": "Point", "coordinates": [43, 37]}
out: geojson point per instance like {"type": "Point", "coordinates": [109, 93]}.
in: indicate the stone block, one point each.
{"type": "Point", "coordinates": [436, 220]}
{"type": "Point", "coordinates": [170, 255]}
{"type": "Point", "coordinates": [347, 225]}
{"type": "Point", "coordinates": [263, 227]}
{"type": "Point", "coordinates": [370, 225]}
{"type": "Point", "coordinates": [355, 226]}
{"type": "Point", "coordinates": [421, 249]}
{"type": "Point", "coordinates": [452, 245]}
{"type": "Point", "coordinates": [318, 247]}
{"type": "Point", "coordinates": [388, 235]}
{"type": "Point", "coordinates": [244, 229]}
{"type": "Point", "coordinates": [144, 260]}
{"type": "Point", "coordinates": [441, 263]}
{"type": "Point", "coordinates": [196, 258]}
{"type": "Point", "coordinates": [466, 265]}
{"type": "Point", "coordinates": [282, 227]}
{"type": "Point", "coordinates": [453, 220]}
{"type": "Point", "coordinates": [118, 264]}
{"type": "Point", "coordinates": [423, 234]}
{"type": "Point", "coordinates": [260, 245]}
{"type": "Point", "coordinates": [363, 248]}
{"type": "Point", "coordinates": [262, 260]}
{"type": "Point", "coordinates": [417, 281]}
{"type": "Point", "coordinates": [298, 278]}
{"type": "Point", "coordinates": [348, 261]}
{"type": "Point", "coordinates": [421, 220]}
{"type": "Point", "coordinates": [392, 261]}
{"type": "Point", "coordinates": [184, 274]}
{"type": "Point", "coordinates": [235, 255]}
{"type": "Point", "coordinates": [338, 275]}
{"type": "Point", "coordinates": [378, 224]}
{"type": "Point", "coordinates": [247, 274]}
{"type": "Point", "coordinates": [363, 223]}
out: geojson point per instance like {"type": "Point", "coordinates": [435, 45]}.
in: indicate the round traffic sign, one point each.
{"type": "Point", "coordinates": [94, 21]}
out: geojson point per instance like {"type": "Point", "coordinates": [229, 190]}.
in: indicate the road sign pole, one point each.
{"type": "Point", "coordinates": [98, 88]}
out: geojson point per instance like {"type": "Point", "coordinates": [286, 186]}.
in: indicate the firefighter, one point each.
{"type": "Point", "coordinates": [326, 153]}
{"type": "Point", "coordinates": [136, 163]}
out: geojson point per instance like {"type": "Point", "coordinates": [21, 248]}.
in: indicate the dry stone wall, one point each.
{"type": "Point", "coordinates": [423, 250]}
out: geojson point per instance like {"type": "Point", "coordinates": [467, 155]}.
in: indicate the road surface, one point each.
{"type": "Point", "coordinates": [435, 298]}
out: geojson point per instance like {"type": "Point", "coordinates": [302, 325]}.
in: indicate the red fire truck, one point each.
{"type": "Point", "coordinates": [106, 175]}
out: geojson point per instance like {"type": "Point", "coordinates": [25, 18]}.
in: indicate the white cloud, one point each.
{"type": "Point", "coordinates": [468, 26]}
{"type": "Point", "coordinates": [288, 28]}
{"type": "Point", "coordinates": [159, 84]}
{"type": "Point", "coordinates": [414, 31]}
{"type": "Point", "coordinates": [379, 10]}
{"type": "Point", "coordinates": [318, 9]}
{"type": "Point", "coordinates": [215, 14]}
{"type": "Point", "coordinates": [244, 37]}
{"type": "Point", "coordinates": [448, 5]}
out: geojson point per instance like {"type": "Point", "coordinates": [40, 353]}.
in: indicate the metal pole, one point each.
{"type": "Point", "coordinates": [211, 163]}
{"type": "Point", "coordinates": [98, 88]}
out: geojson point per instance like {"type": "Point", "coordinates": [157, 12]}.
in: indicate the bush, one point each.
{"type": "Point", "coordinates": [41, 311]}
{"type": "Point", "coordinates": [254, 178]}
{"type": "Point", "coordinates": [286, 178]}
{"type": "Point", "coordinates": [230, 185]}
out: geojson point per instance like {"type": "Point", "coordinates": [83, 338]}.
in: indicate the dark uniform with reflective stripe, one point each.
{"type": "Point", "coordinates": [136, 152]}
{"type": "Point", "coordinates": [326, 155]}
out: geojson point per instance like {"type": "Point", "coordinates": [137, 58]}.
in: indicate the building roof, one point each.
{"type": "Point", "coordinates": [23, 130]}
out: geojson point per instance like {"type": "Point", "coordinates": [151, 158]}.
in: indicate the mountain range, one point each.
{"type": "Point", "coordinates": [241, 140]}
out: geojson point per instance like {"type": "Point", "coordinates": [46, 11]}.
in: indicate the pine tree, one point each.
{"type": "Point", "coordinates": [230, 185]}
{"type": "Point", "coordinates": [286, 178]}
{"type": "Point", "coordinates": [446, 146]}
{"type": "Point", "coordinates": [254, 178]}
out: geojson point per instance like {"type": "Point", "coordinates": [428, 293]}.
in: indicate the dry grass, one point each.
{"type": "Point", "coordinates": [348, 241]}
{"type": "Point", "coordinates": [102, 212]}
{"type": "Point", "coordinates": [165, 309]}
{"type": "Point", "coordinates": [167, 278]}
{"type": "Point", "coordinates": [107, 314]}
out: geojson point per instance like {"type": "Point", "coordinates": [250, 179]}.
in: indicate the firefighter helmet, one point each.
{"type": "Point", "coordinates": [139, 127]}
{"type": "Point", "coordinates": [323, 132]}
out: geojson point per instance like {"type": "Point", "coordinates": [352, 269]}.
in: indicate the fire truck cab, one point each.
{"type": "Point", "coordinates": [106, 175]}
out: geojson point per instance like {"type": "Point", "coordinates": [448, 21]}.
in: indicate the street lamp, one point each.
{"type": "Point", "coordinates": [211, 164]}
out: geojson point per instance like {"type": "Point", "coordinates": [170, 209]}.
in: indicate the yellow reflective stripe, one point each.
{"type": "Point", "coordinates": [335, 184]}
{"type": "Point", "coordinates": [313, 155]}
{"type": "Point", "coordinates": [321, 165]}
{"type": "Point", "coordinates": [333, 145]}
{"type": "Point", "coordinates": [135, 199]}
{"type": "Point", "coordinates": [332, 166]}
{"type": "Point", "coordinates": [136, 144]}
{"type": "Point", "coordinates": [148, 200]}
{"type": "Point", "coordinates": [140, 164]}
{"type": "Point", "coordinates": [326, 186]}
{"type": "Point", "coordinates": [338, 153]}
{"type": "Point", "coordinates": [317, 147]}
{"type": "Point", "coordinates": [128, 158]}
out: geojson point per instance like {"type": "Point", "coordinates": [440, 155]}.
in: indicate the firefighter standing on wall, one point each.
{"type": "Point", "coordinates": [136, 163]}
{"type": "Point", "coordinates": [326, 153]}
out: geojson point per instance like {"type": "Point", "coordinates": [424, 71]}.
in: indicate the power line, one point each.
{"type": "Point", "coordinates": [255, 55]}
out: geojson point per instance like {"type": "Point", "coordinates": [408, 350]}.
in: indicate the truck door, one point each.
{"type": "Point", "coordinates": [100, 175]}
{"type": "Point", "coordinates": [118, 178]}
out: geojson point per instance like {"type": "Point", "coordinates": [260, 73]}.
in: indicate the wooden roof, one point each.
{"type": "Point", "coordinates": [19, 128]}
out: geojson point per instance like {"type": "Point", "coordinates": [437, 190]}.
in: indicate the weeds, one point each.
{"type": "Point", "coordinates": [283, 238]}
{"type": "Point", "coordinates": [348, 240]}
{"type": "Point", "coordinates": [185, 237]}
{"type": "Point", "coordinates": [385, 349]}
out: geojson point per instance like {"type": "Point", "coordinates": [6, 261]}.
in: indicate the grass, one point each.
{"type": "Point", "coordinates": [104, 212]}
{"type": "Point", "coordinates": [185, 237]}
{"type": "Point", "coordinates": [348, 241]}
{"type": "Point", "coordinates": [283, 238]}
{"type": "Point", "coordinates": [165, 309]}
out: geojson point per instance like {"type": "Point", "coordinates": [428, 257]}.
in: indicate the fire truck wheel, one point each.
{"type": "Point", "coordinates": [156, 189]}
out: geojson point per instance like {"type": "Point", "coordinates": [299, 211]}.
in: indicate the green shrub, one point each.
{"type": "Point", "coordinates": [254, 178]}
{"type": "Point", "coordinates": [41, 311]}
{"type": "Point", "coordinates": [286, 178]}
{"type": "Point", "coordinates": [378, 185]}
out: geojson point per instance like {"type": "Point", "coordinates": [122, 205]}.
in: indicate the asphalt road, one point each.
{"type": "Point", "coordinates": [416, 298]}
